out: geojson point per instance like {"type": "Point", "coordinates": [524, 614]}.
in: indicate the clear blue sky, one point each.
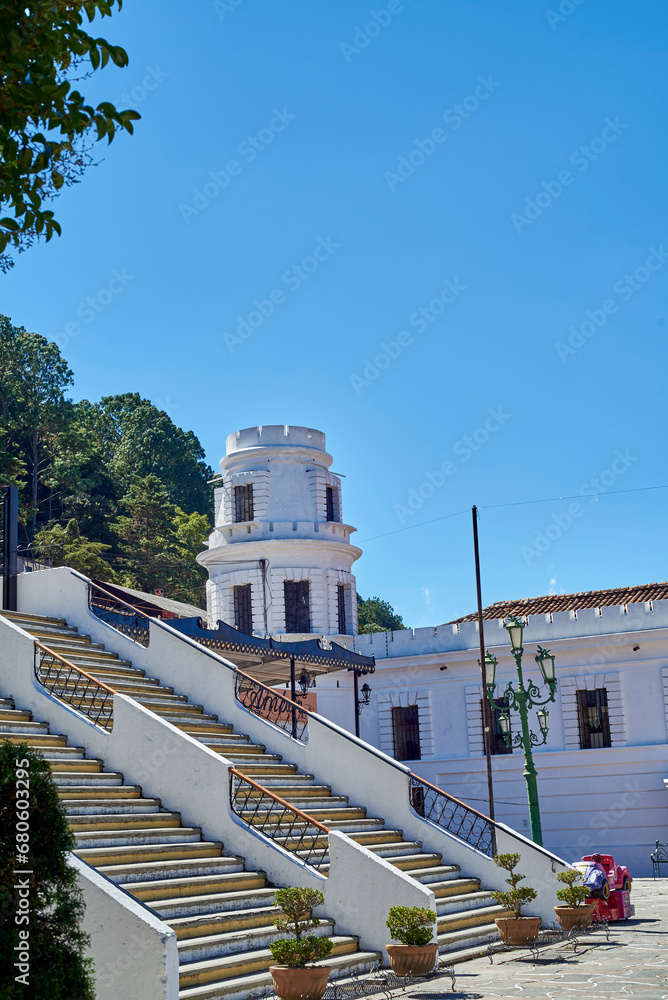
{"type": "Point", "coordinates": [335, 100]}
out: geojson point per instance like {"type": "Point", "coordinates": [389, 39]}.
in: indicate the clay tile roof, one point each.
{"type": "Point", "coordinates": [570, 602]}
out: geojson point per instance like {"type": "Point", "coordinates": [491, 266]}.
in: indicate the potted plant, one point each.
{"type": "Point", "coordinates": [574, 912]}
{"type": "Point", "coordinates": [295, 978]}
{"type": "Point", "coordinates": [516, 929]}
{"type": "Point", "coordinates": [413, 926]}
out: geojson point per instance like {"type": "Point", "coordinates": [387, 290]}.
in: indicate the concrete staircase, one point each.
{"type": "Point", "coordinates": [465, 912]}
{"type": "Point", "coordinates": [222, 914]}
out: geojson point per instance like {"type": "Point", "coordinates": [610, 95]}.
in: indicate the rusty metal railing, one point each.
{"type": "Point", "coordinates": [271, 706]}
{"type": "Point", "coordinates": [271, 815]}
{"type": "Point", "coordinates": [119, 614]}
{"type": "Point", "coordinates": [456, 817]}
{"type": "Point", "coordinates": [74, 686]}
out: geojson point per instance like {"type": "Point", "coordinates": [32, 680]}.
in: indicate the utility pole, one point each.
{"type": "Point", "coordinates": [486, 710]}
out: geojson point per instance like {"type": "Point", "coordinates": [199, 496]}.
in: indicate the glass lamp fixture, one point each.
{"type": "Point", "coordinates": [366, 694]}
{"type": "Point", "coordinates": [490, 669]}
{"type": "Point", "coordinates": [545, 661]}
{"type": "Point", "coordinates": [543, 719]}
{"type": "Point", "coordinates": [515, 629]}
{"type": "Point", "coordinates": [504, 724]}
{"type": "Point", "coordinates": [304, 682]}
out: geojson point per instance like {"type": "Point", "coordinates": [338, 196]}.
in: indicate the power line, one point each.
{"type": "Point", "coordinates": [515, 503]}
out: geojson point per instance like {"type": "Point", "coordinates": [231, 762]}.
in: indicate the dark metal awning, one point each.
{"type": "Point", "coordinates": [267, 659]}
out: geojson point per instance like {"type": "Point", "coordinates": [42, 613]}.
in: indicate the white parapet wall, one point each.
{"type": "Point", "coordinates": [135, 954]}
{"type": "Point", "coordinates": [366, 775]}
{"type": "Point", "coordinates": [190, 778]}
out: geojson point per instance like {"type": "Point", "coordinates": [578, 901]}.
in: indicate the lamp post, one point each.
{"type": "Point", "coordinates": [364, 700]}
{"type": "Point", "coordinates": [521, 700]}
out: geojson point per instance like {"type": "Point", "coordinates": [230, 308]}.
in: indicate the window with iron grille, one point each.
{"type": "Point", "coordinates": [297, 611]}
{"type": "Point", "coordinates": [243, 609]}
{"type": "Point", "coordinates": [243, 502]}
{"type": "Point", "coordinates": [406, 733]}
{"type": "Point", "coordinates": [332, 501]}
{"type": "Point", "coordinates": [341, 607]}
{"type": "Point", "coordinates": [498, 743]}
{"type": "Point", "coordinates": [593, 719]}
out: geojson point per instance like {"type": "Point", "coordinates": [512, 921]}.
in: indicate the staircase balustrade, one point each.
{"type": "Point", "coordinates": [271, 815]}
{"type": "Point", "coordinates": [118, 614]}
{"type": "Point", "coordinates": [467, 824]}
{"type": "Point", "coordinates": [271, 706]}
{"type": "Point", "coordinates": [73, 685]}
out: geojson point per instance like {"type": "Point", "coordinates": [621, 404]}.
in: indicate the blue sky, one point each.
{"type": "Point", "coordinates": [500, 167]}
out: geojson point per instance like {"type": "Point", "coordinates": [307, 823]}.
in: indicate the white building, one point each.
{"type": "Point", "coordinates": [280, 561]}
{"type": "Point", "coordinates": [280, 557]}
{"type": "Point", "coordinates": [602, 772]}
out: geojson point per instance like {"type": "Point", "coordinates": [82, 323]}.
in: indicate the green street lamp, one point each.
{"type": "Point", "coordinates": [521, 700]}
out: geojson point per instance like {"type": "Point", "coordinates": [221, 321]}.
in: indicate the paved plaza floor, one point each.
{"type": "Point", "coordinates": [632, 963]}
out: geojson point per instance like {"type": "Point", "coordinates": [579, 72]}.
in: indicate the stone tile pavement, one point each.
{"type": "Point", "coordinates": [633, 963]}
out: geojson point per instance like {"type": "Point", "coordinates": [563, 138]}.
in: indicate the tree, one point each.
{"type": "Point", "coordinates": [55, 943]}
{"type": "Point", "coordinates": [149, 544]}
{"type": "Point", "coordinates": [67, 547]}
{"type": "Point", "coordinates": [136, 439]}
{"type": "Point", "coordinates": [189, 580]}
{"type": "Point", "coordinates": [33, 377]}
{"type": "Point", "coordinates": [374, 615]}
{"type": "Point", "coordinates": [46, 128]}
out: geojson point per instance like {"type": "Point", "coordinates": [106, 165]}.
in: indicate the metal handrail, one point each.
{"type": "Point", "coordinates": [279, 821]}
{"type": "Point", "coordinates": [59, 686]}
{"type": "Point", "coordinates": [295, 720]}
{"type": "Point", "coordinates": [139, 632]}
{"type": "Point", "coordinates": [467, 824]}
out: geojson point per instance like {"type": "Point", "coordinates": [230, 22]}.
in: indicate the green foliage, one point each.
{"type": "Point", "coordinates": [67, 547]}
{"type": "Point", "coordinates": [410, 924]}
{"type": "Point", "coordinates": [46, 128]}
{"type": "Point", "coordinates": [573, 894]}
{"type": "Point", "coordinates": [297, 904]}
{"type": "Point", "coordinates": [116, 486]}
{"type": "Point", "coordinates": [297, 954]}
{"type": "Point", "coordinates": [518, 895]}
{"type": "Point", "coordinates": [58, 969]}
{"type": "Point", "coordinates": [374, 615]}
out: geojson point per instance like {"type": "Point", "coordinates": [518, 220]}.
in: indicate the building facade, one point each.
{"type": "Point", "coordinates": [280, 557]}
{"type": "Point", "coordinates": [602, 772]}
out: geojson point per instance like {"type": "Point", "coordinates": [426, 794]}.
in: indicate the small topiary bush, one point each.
{"type": "Point", "coordinates": [297, 905]}
{"type": "Point", "coordinates": [518, 895]}
{"type": "Point", "coordinates": [410, 924]}
{"type": "Point", "coordinates": [54, 944]}
{"type": "Point", "coordinates": [573, 894]}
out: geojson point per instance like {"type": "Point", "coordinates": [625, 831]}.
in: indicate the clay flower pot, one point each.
{"type": "Point", "coordinates": [307, 983]}
{"type": "Point", "coordinates": [575, 916]}
{"type": "Point", "coordinates": [418, 959]}
{"type": "Point", "coordinates": [518, 930]}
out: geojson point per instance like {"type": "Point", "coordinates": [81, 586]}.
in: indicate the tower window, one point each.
{"type": "Point", "coordinates": [498, 743]}
{"type": "Point", "coordinates": [332, 503]}
{"type": "Point", "coordinates": [406, 733]}
{"type": "Point", "coordinates": [243, 609]}
{"type": "Point", "coordinates": [297, 610]}
{"type": "Point", "coordinates": [593, 719]}
{"type": "Point", "coordinates": [341, 607]}
{"type": "Point", "coordinates": [243, 503]}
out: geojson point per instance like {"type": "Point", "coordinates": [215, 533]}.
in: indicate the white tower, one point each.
{"type": "Point", "coordinates": [279, 557]}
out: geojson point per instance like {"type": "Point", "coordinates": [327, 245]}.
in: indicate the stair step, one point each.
{"type": "Point", "coordinates": [69, 792]}
{"type": "Point", "coordinates": [217, 946]}
{"type": "Point", "coordinates": [148, 853]}
{"type": "Point", "coordinates": [469, 939]}
{"type": "Point", "coordinates": [469, 918]}
{"type": "Point", "coordinates": [413, 862]}
{"type": "Point", "coordinates": [464, 902]}
{"type": "Point", "coordinates": [260, 983]}
{"type": "Point", "coordinates": [232, 966]}
{"type": "Point", "coordinates": [121, 821]}
{"type": "Point", "coordinates": [186, 928]}
{"type": "Point", "coordinates": [166, 890]}
{"type": "Point", "coordinates": [186, 906]}
{"type": "Point", "coordinates": [101, 808]}
{"type": "Point", "coordinates": [137, 836]}
{"type": "Point", "coordinates": [177, 868]}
